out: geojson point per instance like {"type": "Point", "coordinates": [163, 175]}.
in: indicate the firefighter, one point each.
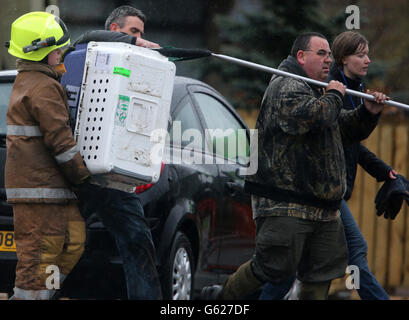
{"type": "Point", "coordinates": [43, 162]}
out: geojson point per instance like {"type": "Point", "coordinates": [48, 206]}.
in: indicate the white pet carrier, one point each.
{"type": "Point", "coordinates": [123, 113]}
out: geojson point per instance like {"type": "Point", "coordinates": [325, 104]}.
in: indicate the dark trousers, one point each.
{"type": "Point", "coordinates": [316, 250]}
{"type": "Point", "coordinates": [369, 289]}
{"type": "Point", "coordinates": [122, 214]}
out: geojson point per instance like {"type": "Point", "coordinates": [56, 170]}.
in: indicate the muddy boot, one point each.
{"type": "Point", "coordinates": [211, 292]}
{"type": "Point", "coordinates": [238, 285]}
{"type": "Point", "coordinates": [241, 283]}
{"type": "Point", "coordinates": [309, 290]}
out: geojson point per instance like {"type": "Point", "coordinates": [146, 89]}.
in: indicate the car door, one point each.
{"type": "Point", "coordinates": [196, 187]}
{"type": "Point", "coordinates": [227, 138]}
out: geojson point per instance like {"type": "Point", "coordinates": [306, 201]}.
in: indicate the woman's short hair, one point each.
{"type": "Point", "coordinates": [346, 44]}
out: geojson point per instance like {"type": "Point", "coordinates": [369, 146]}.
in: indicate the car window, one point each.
{"type": "Point", "coordinates": [224, 133]}
{"type": "Point", "coordinates": [186, 128]}
{"type": "Point", "coordinates": [5, 91]}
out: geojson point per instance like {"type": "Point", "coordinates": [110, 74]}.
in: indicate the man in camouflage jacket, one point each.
{"type": "Point", "coordinates": [301, 178]}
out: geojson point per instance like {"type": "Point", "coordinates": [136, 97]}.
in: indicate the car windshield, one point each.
{"type": "Point", "coordinates": [5, 91]}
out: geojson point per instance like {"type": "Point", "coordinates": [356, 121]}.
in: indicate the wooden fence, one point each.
{"type": "Point", "coordinates": [388, 240]}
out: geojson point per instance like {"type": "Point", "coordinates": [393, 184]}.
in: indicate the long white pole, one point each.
{"type": "Point", "coordinates": [308, 80]}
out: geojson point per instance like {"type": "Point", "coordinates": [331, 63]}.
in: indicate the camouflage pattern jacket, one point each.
{"type": "Point", "coordinates": [300, 152]}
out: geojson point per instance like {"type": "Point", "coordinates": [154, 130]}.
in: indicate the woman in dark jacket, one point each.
{"type": "Point", "coordinates": [350, 50]}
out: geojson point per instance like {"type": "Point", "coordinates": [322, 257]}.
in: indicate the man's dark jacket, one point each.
{"type": "Point", "coordinates": [101, 36]}
{"type": "Point", "coordinates": [300, 132]}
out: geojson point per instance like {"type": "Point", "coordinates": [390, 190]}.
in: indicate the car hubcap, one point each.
{"type": "Point", "coordinates": [182, 276]}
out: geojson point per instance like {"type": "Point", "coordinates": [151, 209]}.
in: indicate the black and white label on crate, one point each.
{"type": "Point", "coordinates": [103, 61]}
{"type": "Point", "coordinates": [72, 95]}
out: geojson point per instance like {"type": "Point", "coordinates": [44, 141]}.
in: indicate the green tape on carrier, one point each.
{"type": "Point", "coordinates": [122, 71]}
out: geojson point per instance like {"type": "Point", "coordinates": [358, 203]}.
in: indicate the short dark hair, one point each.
{"type": "Point", "coordinates": [302, 42]}
{"type": "Point", "coordinates": [346, 44]}
{"type": "Point", "coordinates": [119, 14]}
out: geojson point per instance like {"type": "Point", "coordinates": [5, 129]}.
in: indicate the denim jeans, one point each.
{"type": "Point", "coordinates": [276, 292]}
{"type": "Point", "coordinates": [122, 214]}
{"type": "Point", "coordinates": [369, 289]}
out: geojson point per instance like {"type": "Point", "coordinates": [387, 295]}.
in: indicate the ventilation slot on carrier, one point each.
{"type": "Point", "coordinates": [94, 117]}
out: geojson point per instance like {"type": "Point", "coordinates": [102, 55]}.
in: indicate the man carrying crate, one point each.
{"type": "Point", "coordinates": [122, 212]}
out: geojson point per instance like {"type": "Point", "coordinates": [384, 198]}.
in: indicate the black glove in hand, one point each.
{"type": "Point", "coordinates": [390, 196]}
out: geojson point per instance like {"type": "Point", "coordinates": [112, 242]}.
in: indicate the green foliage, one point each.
{"type": "Point", "coordinates": [265, 37]}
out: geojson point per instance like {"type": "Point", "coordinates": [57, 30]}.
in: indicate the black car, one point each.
{"type": "Point", "coordinates": [200, 217]}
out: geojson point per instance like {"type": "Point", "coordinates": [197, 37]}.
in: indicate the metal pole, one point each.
{"type": "Point", "coordinates": [308, 80]}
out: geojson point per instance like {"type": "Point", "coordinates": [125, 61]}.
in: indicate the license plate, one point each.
{"type": "Point", "coordinates": [7, 241]}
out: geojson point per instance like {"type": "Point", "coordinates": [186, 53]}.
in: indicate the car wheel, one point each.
{"type": "Point", "coordinates": [178, 271]}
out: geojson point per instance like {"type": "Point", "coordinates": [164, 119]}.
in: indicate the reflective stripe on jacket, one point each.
{"type": "Point", "coordinates": [43, 159]}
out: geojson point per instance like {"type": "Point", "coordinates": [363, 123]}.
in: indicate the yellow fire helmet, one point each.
{"type": "Point", "coordinates": [34, 35]}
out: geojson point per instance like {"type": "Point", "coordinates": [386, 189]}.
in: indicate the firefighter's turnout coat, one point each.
{"type": "Point", "coordinates": [42, 155]}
